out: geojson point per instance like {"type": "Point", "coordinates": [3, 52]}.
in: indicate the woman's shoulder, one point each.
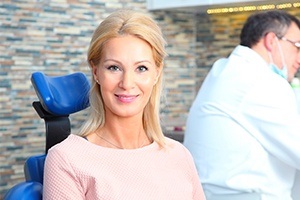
{"type": "Point", "coordinates": [172, 141]}
{"type": "Point", "coordinates": [178, 152]}
{"type": "Point", "coordinates": [70, 144]}
{"type": "Point", "coordinates": [175, 145]}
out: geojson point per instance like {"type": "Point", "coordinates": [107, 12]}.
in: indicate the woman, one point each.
{"type": "Point", "coordinates": [121, 152]}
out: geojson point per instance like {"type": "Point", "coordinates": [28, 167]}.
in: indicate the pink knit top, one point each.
{"type": "Point", "coordinates": [78, 169]}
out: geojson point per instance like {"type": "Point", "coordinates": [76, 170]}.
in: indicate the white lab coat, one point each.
{"type": "Point", "coordinates": [243, 129]}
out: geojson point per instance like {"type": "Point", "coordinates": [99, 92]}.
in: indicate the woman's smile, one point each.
{"type": "Point", "coordinates": [126, 98]}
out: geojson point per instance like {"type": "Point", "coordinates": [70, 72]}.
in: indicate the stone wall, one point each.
{"type": "Point", "coordinates": [53, 36]}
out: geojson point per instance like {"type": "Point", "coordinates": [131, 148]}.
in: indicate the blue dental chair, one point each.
{"type": "Point", "coordinates": [59, 96]}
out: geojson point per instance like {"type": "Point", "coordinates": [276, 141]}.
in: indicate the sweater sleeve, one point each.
{"type": "Point", "coordinates": [198, 193]}
{"type": "Point", "coordinates": [60, 181]}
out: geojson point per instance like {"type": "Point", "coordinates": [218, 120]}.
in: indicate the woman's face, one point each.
{"type": "Point", "coordinates": [126, 75]}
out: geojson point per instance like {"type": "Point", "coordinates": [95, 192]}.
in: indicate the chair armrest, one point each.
{"type": "Point", "coordinates": [34, 168]}
{"type": "Point", "coordinates": [25, 191]}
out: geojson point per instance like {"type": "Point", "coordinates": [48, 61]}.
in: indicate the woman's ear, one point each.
{"type": "Point", "coordinates": [158, 72]}
{"type": "Point", "coordinates": [94, 70]}
{"type": "Point", "coordinates": [270, 41]}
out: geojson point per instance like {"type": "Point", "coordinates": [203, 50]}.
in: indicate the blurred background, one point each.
{"type": "Point", "coordinates": [52, 36]}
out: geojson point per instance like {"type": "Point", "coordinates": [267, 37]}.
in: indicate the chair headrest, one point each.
{"type": "Point", "coordinates": [62, 95]}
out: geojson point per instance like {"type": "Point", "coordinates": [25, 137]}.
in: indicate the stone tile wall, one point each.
{"type": "Point", "coordinates": [53, 36]}
{"type": "Point", "coordinates": [50, 36]}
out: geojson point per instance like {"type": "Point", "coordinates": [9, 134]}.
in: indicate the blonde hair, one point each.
{"type": "Point", "coordinates": [141, 25]}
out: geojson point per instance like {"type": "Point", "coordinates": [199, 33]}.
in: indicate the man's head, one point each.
{"type": "Point", "coordinates": [260, 24]}
{"type": "Point", "coordinates": [275, 35]}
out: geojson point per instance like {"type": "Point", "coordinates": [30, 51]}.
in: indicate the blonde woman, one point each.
{"type": "Point", "coordinates": [121, 152]}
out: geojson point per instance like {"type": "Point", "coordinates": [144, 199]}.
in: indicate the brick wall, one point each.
{"type": "Point", "coordinates": [53, 36]}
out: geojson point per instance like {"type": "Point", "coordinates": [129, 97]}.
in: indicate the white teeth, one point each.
{"type": "Point", "coordinates": [126, 97]}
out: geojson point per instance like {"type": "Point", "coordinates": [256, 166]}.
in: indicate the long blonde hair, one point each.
{"type": "Point", "coordinates": [141, 25]}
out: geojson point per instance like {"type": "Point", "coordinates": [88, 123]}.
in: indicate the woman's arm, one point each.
{"type": "Point", "coordinates": [60, 180]}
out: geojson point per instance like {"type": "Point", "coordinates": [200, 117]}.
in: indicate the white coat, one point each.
{"type": "Point", "coordinates": [243, 129]}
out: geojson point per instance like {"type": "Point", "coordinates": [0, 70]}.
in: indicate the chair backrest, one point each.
{"type": "Point", "coordinates": [59, 96]}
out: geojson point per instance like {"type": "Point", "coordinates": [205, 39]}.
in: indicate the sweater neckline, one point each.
{"type": "Point", "coordinates": [85, 141]}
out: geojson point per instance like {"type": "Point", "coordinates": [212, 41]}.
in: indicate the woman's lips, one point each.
{"type": "Point", "coordinates": [126, 98]}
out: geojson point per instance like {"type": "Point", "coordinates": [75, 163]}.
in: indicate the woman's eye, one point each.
{"type": "Point", "coordinates": [113, 68]}
{"type": "Point", "coordinates": [142, 68]}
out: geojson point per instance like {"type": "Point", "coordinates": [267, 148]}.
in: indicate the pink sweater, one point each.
{"type": "Point", "coordinates": [77, 169]}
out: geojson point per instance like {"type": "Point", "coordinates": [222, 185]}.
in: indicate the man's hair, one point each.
{"type": "Point", "coordinates": [259, 24]}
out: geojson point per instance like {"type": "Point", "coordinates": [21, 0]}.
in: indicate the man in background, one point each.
{"type": "Point", "coordinates": [243, 128]}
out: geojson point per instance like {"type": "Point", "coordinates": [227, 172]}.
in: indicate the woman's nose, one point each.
{"type": "Point", "coordinates": [127, 81]}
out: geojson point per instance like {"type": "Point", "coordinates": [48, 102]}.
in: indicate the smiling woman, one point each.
{"type": "Point", "coordinates": [126, 75]}
{"type": "Point", "coordinates": [120, 151]}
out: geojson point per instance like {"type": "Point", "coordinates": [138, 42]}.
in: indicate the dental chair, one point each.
{"type": "Point", "coordinates": [59, 96]}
